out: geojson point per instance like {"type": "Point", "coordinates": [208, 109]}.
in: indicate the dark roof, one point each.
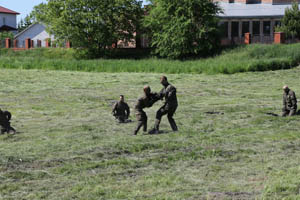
{"type": "Point", "coordinates": [5, 10]}
{"type": "Point", "coordinates": [7, 28]}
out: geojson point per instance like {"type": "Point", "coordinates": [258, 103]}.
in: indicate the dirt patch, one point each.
{"type": "Point", "coordinates": [214, 113]}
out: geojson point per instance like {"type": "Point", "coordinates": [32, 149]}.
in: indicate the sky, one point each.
{"type": "Point", "coordinates": [24, 7]}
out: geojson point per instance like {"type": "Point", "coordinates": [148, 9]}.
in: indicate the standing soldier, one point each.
{"type": "Point", "coordinates": [5, 117]}
{"type": "Point", "coordinates": [145, 101]}
{"type": "Point", "coordinates": [289, 102]}
{"type": "Point", "coordinates": [121, 110]}
{"type": "Point", "coordinates": [169, 107]}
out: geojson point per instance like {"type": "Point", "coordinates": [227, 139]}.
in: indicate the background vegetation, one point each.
{"type": "Point", "coordinates": [70, 147]}
{"type": "Point", "coordinates": [290, 24]}
{"type": "Point", "coordinates": [181, 28]}
{"type": "Point", "coordinates": [93, 25]}
{"type": "Point", "coordinates": [256, 57]}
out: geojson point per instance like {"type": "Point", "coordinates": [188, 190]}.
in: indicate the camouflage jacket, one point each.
{"type": "Point", "coordinates": [289, 100]}
{"type": "Point", "coordinates": [145, 102]}
{"type": "Point", "coordinates": [169, 93]}
{"type": "Point", "coordinates": [121, 109]}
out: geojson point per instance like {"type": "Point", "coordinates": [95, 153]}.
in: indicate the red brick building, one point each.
{"type": "Point", "coordinates": [257, 17]}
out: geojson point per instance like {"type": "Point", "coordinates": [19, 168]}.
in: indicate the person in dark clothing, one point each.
{"type": "Point", "coordinates": [169, 108]}
{"type": "Point", "coordinates": [289, 102]}
{"type": "Point", "coordinates": [146, 101]}
{"type": "Point", "coordinates": [5, 117]}
{"type": "Point", "coordinates": [121, 110]}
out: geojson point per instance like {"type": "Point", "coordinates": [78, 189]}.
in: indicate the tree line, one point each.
{"type": "Point", "coordinates": [176, 29]}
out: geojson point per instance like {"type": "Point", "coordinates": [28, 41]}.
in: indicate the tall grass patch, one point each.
{"type": "Point", "coordinates": [256, 57]}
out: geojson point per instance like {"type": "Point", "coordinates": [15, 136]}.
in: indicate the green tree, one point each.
{"type": "Point", "coordinates": [39, 13]}
{"type": "Point", "coordinates": [290, 23]}
{"type": "Point", "coordinates": [179, 28]}
{"type": "Point", "coordinates": [92, 24]}
{"type": "Point", "coordinates": [23, 24]}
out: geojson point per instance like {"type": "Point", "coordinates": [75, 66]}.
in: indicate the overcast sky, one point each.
{"type": "Point", "coordinates": [24, 7]}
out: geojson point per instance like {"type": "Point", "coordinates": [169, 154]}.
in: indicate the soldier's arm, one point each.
{"type": "Point", "coordinates": [161, 94]}
{"type": "Point", "coordinates": [114, 108]}
{"type": "Point", "coordinates": [284, 102]}
{"type": "Point", "coordinates": [155, 97]}
{"type": "Point", "coordinates": [294, 100]}
{"type": "Point", "coordinates": [127, 111]}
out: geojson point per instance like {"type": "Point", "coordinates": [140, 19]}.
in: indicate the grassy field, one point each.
{"type": "Point", "coordinates": [70, 147]}
{"type": "Point", "coordinates": [256, 57]}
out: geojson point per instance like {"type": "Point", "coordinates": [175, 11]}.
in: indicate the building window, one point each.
{"type": "Point", "coordinates": [4, 21]}
{"type": "Point", "coordinates": [245, 28]}
{"type": "Point", "coordinates": [224, 29]}
{"type": "Point", "coordinates": [256, 27]}
{"type": "Point", "coordinates": [234, 29]}
{"type": "Point", "coordinates": [267, 27]}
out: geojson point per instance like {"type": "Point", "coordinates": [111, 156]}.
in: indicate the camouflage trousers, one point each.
{"type": "Point", "coordinates": [169, 111]}
{"type": "Point", "coordinates": [141, 118]}
{"type": "Point", "coordinates": [121, 118]}
{"type": "Point", "coordinates": [286, 112]}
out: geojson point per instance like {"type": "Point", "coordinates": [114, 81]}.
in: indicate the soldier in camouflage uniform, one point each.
{"type": "Point", "coordinates": [145, 101]}
{"type": "Point", "coordinates": [121, 110]}
{"type": "Point", "coordinates": [5, 117]}
{"type": "Point", "coordinates": [289, 102]}
{"type": "Point", "coordinates": [169, 107]}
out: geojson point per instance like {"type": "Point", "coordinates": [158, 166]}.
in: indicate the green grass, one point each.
{"type": "Point", "coordinates": [70, 147]}
{"type": "Point", "coordinates": [256, 57]}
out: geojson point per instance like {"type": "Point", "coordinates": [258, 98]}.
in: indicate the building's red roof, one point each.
{"type": "Point", "coordinates": [5, 10]}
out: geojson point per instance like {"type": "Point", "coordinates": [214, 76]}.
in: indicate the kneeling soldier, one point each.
{"type": "Point", "coordinates": [121, 110]}
{"type": "Point", "coordinates": [289, 102]}
{"type": "Point", "coordinates": [5, 117]}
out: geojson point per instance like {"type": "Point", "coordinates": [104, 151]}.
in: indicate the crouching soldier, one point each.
{"type": "Point", "coordinates": [289, 102]}
{"type": "Point", "coordinates": [121, 110]}
{"type": "Point", "coordinates": [145, 101]}
{"type": "Point", "coordinates": [5, 117]}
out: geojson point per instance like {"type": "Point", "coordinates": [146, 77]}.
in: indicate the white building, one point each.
{"type": "Point", "coordinates": [8, 20]}
{"type": "Point", "coordinates": [36, 32]}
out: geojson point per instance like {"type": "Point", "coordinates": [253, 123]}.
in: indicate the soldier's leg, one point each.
{"type": "Point", "coordinates": [121, 119]}
{"type": "Point", "coordinates": [139, 125]}
{"type": "Point", "coordinates": [145, 123]}
{"type": "Point", "coordinates": [161, 112]}
{"type": "Point", "coordinates": [5, 125]}
{"type": "Point", "coordinates": [10, 129]}
{"type": "Point", "coordinates": [292, 112]}
{"type": "Point", "coordinates": [171, 119]}
{"type": "Point", "coordinates": [2, 130]}
{"type": "Point", "coordinates": [285, 112]}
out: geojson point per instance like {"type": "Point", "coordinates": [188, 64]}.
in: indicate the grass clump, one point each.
{"type": "Point", "coordinates": [256, 57]}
